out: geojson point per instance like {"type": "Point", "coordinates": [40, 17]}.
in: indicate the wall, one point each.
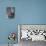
{"type": "Point", "coordinates": [27, 12]}
{"type": "Point", "coordinates": [6, 25]}
{"type": "Point", "coordinates": [31, 11]}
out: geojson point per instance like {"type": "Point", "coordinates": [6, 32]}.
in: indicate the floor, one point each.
{"type": "Point", "coordinates": [30, 43]}
{"type": "Point", "coordinates": [7, 45]}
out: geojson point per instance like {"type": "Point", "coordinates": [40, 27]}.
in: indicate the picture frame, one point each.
{"type": "Point", "coordinates": [10, 12]}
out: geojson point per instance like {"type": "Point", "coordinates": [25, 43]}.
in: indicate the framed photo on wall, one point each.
{"type": "Point", "coordinates": [10, 12]}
